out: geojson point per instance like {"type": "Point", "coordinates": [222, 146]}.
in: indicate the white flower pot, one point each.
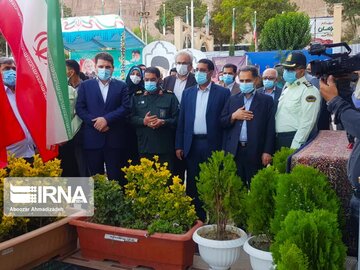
{"type": "Point", "coordinates": [220, 255]}
{"type": "Point", "coordinates": [259, 259]}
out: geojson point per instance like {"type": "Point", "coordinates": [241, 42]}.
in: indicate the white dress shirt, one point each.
{"type": "Point", "coordinates": [26, 147]}
{"type": "Point", "coordinates": [202, 98]}
{"type": "Point", "coordinates": [104, 88]}
{"type": "Point", "coordinates": [179, 88]}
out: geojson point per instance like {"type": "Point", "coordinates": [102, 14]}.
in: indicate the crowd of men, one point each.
{"type": "Point", "coordinates": [182, 118]}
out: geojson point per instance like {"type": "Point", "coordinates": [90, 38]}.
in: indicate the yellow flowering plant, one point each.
{"type": "Point", "coordinates": [11, 227]}
{"type": "Point", "coordinates": [158, 203]}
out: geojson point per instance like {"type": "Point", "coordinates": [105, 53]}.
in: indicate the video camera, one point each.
{"type": "Point", "coordinates": [339, 64]}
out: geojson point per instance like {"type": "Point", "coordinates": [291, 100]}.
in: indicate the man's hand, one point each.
{"type": "Point", "coordinates": [105, 129]}
{"type": "Point", "coordinates": [148, 119]}
{"type": "Point", "coordinates": [179, 154]}
{"type": "Point", "coordinates": [328, 88]}
{"type": "Point", "coordinates": [242, 114]}
{"type": "Point", "coordinates": [100, 123]}
{"type": "Point", "coordinates": [266, 159]}
{"type": "Point", "coordinates": [157, 123]}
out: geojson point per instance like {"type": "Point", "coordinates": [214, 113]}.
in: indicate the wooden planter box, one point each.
{"type": "Point", "coordinates": [161, 251]}
{"type": "Point", "coordinates": [31, 249]}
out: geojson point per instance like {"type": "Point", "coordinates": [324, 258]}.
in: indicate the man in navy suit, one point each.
{"type": "Point", "coordinates": [269, 78]}
{"type": "Point", "coordinates": [103, 104]}
{"type": "Point", "coordinates": [249, 122]}
{"type": "Point", "coordinates": [199, 130]}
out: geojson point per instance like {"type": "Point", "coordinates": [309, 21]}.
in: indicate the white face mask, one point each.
{"type": "Point", "coordinates": [135, 79]}
{"type": "Point", "coordinates": [182, 70]}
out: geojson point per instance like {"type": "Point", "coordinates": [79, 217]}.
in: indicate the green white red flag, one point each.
{"type": "Point", "coordinates": [33, 31]}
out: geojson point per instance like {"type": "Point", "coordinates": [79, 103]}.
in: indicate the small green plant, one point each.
{"type": "Point", "coordinates": [260, 204]}
{"type": "Point", "coordinates": [312, 239]}
{"type": "Point", "coordinates": [155, 205]}
{"type": "Point", "coordinates": [220, 190]}
{"type": "Point", "coordinates": [109, 202]}
{"type": "Point", "coordinates": [280, 158]}
{"type": "Point", "coordinates": [305, 188]}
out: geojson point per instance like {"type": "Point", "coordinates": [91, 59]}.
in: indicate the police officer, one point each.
{"type": "Point", "coordinates": [154, 115]}
{"type": "Point", "coordinates": [298, 106]}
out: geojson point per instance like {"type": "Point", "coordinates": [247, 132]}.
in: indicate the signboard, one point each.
{"type": "Point", "coordinates": [322, 29]}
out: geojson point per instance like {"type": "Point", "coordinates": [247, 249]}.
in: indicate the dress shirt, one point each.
{"type": "Point", "coordinates": [202, 98]}
{"type": "Point", "coordinates": [179, 87]}
{"type": "Point", "coordinates": [26, 147]}
{"type": "Point", "coordinates": [230, 86]}
{"type": "Point", "coordinates": [272, 93]}
{"type": "Point", "coordinates": [243, 132]}
{"type": "Point", "coordinates": [104, 88]}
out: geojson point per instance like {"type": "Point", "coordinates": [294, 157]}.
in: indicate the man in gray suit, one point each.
{"type": "Point", "coordinates": [269, 78]}
{"type": "Point", "coordinates": [229, 74]}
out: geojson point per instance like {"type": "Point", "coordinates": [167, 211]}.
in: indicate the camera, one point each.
{"type": "Point", "coordinates": [339, 64]}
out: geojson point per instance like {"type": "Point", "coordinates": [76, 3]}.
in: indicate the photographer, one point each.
{"type": "Point", "coordinates": [350, 119]}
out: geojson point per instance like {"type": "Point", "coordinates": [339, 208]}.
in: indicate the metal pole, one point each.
{"type": "Point", "coordinates": [187, 14]}
{"type": "Point", "coordinates": [120, 8]}
{"type": "Point", "coordinates": [102, 7]}
{"type": "Point", "coordinates": [192, 24]}
{"type": "Point", "coordinates": [62, 8]}
{"type": "Point", "coordinates": [233, 26]}
{"type": "Point", "coordinates": [207, 21]}
{"type": "Point", "coordinates": [6, 49]}
{"type": "Point", "coordinates": [164, 20]}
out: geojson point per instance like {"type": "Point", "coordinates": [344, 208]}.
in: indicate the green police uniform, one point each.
{"type": "Point", "coordinates": [298, 109]}
{"type": "Point", "coordinates": [160, 141]}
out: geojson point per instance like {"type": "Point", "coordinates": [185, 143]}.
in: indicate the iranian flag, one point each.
{"type": "Point", "coordinates": [33, 31]}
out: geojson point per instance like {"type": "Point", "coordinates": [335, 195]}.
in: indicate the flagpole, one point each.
{"type": "Point", "coordinates": [233, 26]}
{"type": "Point", "coordinates": [164, 20]}
{"type": "Point", "coordinates": [6, 49]}
{"type": "Point", "coordinates": [192, 23]}
{"type": "Point", "coordinates": [255, 34]}
{"type": "Point", "coordinates": [120, 8]}
{"type": "Point", "coordinates": [62, 8]}
{"type": "Point", "coordinates": [102, 7]}
{"type": "Point", "coordinates": [208, 21]}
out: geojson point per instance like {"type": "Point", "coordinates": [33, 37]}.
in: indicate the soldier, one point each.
{"type": "Point", "coordinates": [154, 115]}
{"type": "Point", "coordinates": [298, 106]}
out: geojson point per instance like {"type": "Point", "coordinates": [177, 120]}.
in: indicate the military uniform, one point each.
{"type": "Point", "coordinates": [160, 141]}
{"type": "Point", "coordinates": [297, 112]}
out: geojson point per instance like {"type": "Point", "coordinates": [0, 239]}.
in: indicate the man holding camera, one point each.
{"type": "Point", "coordinates": [350, 118]}
{"type": "Point", "coordinates": [298, 106]}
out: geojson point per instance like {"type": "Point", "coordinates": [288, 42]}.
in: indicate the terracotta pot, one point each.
{"type": "Point", "coordinates": [162, 251]}
{"type": "Point", "coordinates": [31, 249]}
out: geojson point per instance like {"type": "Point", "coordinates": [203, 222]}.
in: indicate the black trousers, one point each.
{"type": "Point", "coordinates": [114, 159]}
{"type": "Point", "coordinates": [284, 139]}
{"type": "Point", "coordinates": [199, 153]}
{"type": "Point", "coordinates": [245, 169]}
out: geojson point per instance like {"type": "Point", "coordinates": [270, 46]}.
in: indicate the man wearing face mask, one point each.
{"type": "Point", "coordinates": [103, 105]}
{"type": "Point", "coordinates": [25, 148]}
{"type": "Point", "coordinates": [229, 74]}
{"type": "Point", "coordinates": [154, 115]}
{"type": "Point", "coordinates": [269, 79]}
{"type": "Point", "coordinates": [184, 78]}
{"type": "Point", "coordinates": [249, 122]}
{"type": "Point", "coordinates": [299, 104]}
{"type": "Point", "coordinates": [199, 130]}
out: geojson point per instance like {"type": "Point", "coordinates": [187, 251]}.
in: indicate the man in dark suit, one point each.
{"type": "Point", "coordinates": [177, 84]}
{"type": "Point", "coordinates": [103, 104]}
{"type": "Point", "coordinates": [229, 74]}
{"type": "Point", "coordinates": [269, 78]}
{"type": "Point", "coordinates": [249, 122]}
{"type": "Point", "coordinates": [199, 130]}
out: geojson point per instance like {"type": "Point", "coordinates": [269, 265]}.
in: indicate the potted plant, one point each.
{"type": "Point", "coordinates": [221, 192]}
{"type": "Point", "coordinates": [309, 241]}
{"type": "Point", "coordinates": [149, 223]}
{"type": "Point", "coordinates": [28, 242]}
{"type": "Point", "coordinates": [260, 202]}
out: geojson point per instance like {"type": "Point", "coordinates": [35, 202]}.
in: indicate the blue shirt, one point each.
{"type": "Point", "coordinates": [271, 94]}
{"type": "Point", "coordinates": [243, 132]}
{"type": "Point", "coordinates": [202, 98]}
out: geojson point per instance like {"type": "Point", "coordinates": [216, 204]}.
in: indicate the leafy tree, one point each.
{"type": "Point", "coordinates": [67, 11]}
{"type": "Point", "coordinates": [178, 8]}
{"type": "Point", "coordinates": [2, 45]}
{"type": "Point", "coordinates": [150, 38]}
{"type": "Point", "coordinates": [351, 14]}
{"type": "Point", "coordinates": [287, 31]}
{"type": "Point", "coordinates": [220, 37]}
{"type": "Point", "coordinates": [245, 13]}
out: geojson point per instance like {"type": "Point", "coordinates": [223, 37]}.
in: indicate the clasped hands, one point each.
{"type": "Point", "coordinates": [242, 114]}
{"type": "Point", "coordinates": [152, 121]}
{"type": "Point", "coordinates": [100, 124]}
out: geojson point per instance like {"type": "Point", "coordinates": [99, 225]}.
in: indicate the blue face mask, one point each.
{"type": "Point", "coordinates": [228, 79]}
{"type": "Point", "coordinates": [150, 86]}
{"type": "Point", "coordinates": [104, 74]}
{"type": "Point", "coordinates": [9, 77]}
{"type": "Point", "coordinates": [268, 84]}
{"type": "Point", "coordinates": [200, 77]}
{"type": "Point", "coordinates": [289, 76]}
{"type": "Point", "coordinates": [247, 88]}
